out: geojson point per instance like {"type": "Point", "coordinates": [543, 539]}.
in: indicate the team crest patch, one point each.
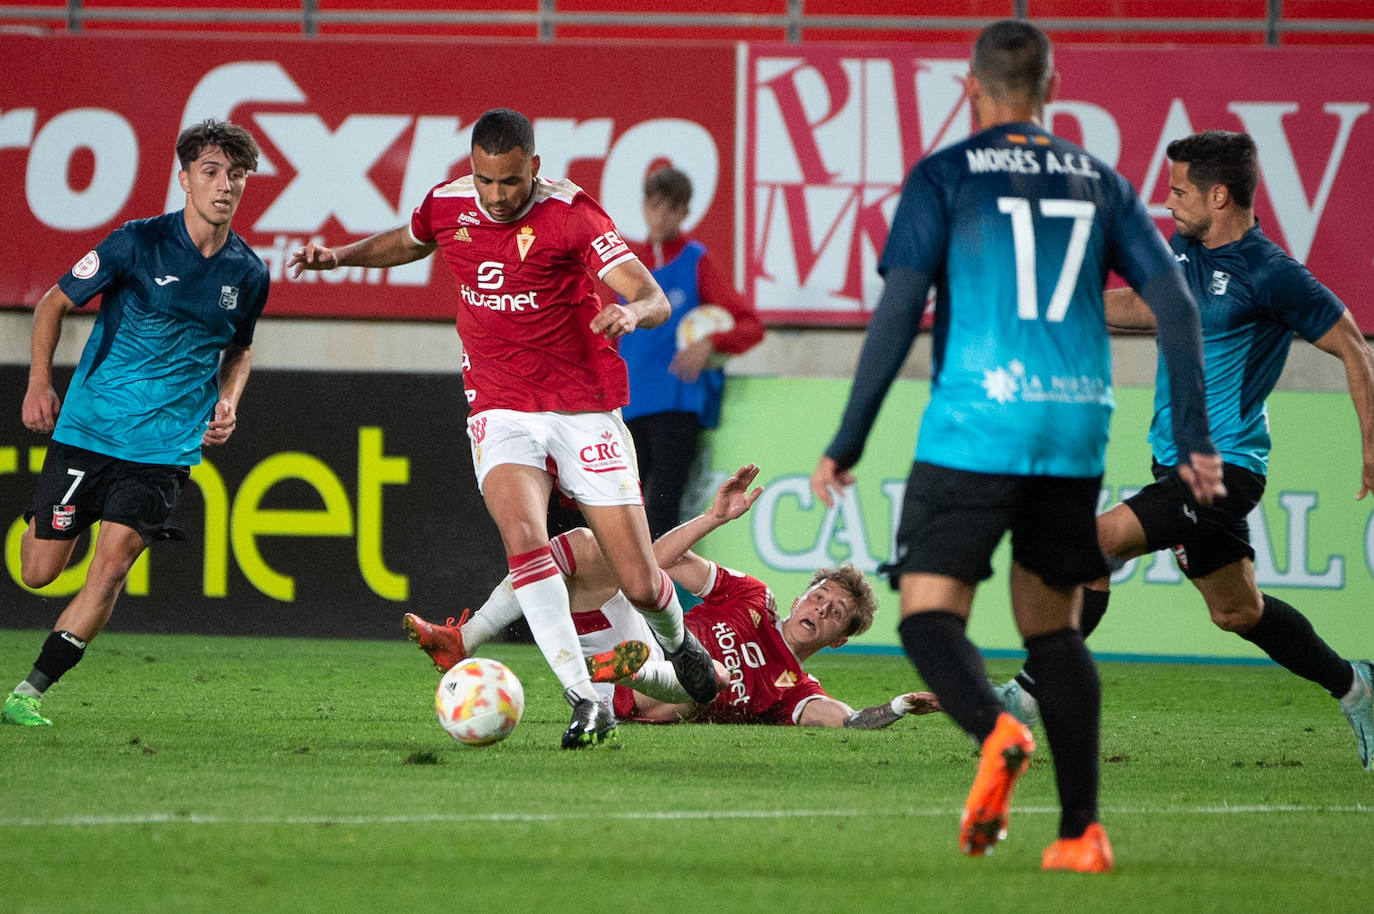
{"type": "Point", "coordinates": [63, 516]}
{"type": "Point", "coordinates": [87, 266]}
{"type": "Point", "coordinates": [228, 297]}
{"type": "Point", "coordinates": [524, 241]}
{"type": "Point", "coordinates": [1220, 281]}
{"type": "Point", "coordinates": [1181, 556]}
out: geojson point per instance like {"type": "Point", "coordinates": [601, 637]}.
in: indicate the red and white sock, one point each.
{"type": "Point", "coordinates": [543, 597]}
{"type": "Point", "coordinates": [664, 618]}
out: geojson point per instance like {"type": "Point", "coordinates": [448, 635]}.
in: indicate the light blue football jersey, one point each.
{"type": "Point", "coordinates": [1252, 298]}
{"type": "Point", "coordinates": [1017, 230]}
{"type": "Point", "coordinates": [148, 377]}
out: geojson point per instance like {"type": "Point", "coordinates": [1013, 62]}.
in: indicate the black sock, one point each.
{"type": "Point", "coordinates": [952, 668]}
{"type": "Point", "coordinates": [1070, 709]}
{"type": "Point", "coordinates": [61, 651]}
{"type": "Point", "coordinates": [1094, 608]}
{"type": "Point", "coordinates": [1286, 636]}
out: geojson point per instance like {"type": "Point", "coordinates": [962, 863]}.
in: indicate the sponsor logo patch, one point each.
{"type": "Point", "coordinates": [604, 456]}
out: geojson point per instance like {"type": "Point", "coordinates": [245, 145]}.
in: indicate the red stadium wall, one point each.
{"type": "Point", "coordinates": [797, 151]}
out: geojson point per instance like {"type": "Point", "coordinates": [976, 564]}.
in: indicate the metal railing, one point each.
{"type": "Point", "coordinates": [548, 19]}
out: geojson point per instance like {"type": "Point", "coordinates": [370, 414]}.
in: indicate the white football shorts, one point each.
{"type": "Point", "coordinates": [590, 455]}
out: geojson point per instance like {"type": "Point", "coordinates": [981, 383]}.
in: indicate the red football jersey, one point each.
{"type": "Point", "coordinates": [737, 622]}
{"type": "Point", "coordinates": [526, 298]}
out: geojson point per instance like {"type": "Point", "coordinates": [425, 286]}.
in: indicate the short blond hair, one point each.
{"type": "Point", "coordinates": [865, 604]}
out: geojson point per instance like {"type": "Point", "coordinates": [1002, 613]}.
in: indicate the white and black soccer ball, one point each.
{"type": "Point", "coordinates": [479, 701]}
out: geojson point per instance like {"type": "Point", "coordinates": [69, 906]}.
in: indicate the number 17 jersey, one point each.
{"type": "Point", "coordinates": [1017, 229]}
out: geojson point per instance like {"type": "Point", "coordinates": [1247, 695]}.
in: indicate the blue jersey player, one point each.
{"type": "Point", "coordinates": [160, 376]}
{"type": "Point", "coordinates": [1253, 299]}
{"type": "Point", "coordinates": [1016, 229]}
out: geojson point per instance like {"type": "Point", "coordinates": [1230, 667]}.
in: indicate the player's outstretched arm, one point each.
{"type": "Point", "coordinates": [41, 402]}
{"type": "Point", "coordinates": [385, 249]}
{"type": "Point", "coordinates": [1347, 343]}
{"type": "Point", "coordinates": [673, 550]}
{"type": "Point", "coordinates": [825, 711]}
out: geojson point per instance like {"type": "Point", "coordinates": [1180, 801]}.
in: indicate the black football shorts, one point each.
{"type": "Point", "coordinates": [78, 487]}
{"type": "Point", "coordinates": [1202, 538]}
{"type": "Point", "coordinates": [952, 521]}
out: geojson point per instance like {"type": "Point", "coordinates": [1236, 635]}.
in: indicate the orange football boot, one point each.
{"type": "Point", "coordinates": [620, 662]}
{"type": "Point", "coordinates": [1005, 754]}
{"type": "Point", "coordinates": [1090, 853]}
{"type": "Point", "coordinates": [443, 643]}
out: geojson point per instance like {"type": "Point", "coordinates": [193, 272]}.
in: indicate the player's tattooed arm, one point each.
{"type": "Point", "coordinates": [879, 716]}
{"type": "Point", "coordinates": [874, 718]}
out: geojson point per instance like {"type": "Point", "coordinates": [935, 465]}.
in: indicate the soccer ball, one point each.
{"type": "Point", "coordinates": [479, 701]}
{"type": "Point", "coordinates": [703, 321]}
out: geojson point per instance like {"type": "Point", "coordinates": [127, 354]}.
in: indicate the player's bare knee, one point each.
{"type": "Point", "coordinates": [35, 575]}
{"type": "Point", "coordinates": [1236, 617]}
{"type": "Point", "coordinates": [581, 542]}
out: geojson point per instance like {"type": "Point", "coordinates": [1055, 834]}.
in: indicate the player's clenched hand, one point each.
{"type": "Point", "coordinates": [1202, 474]}
{"type": "Point", "coordinates": [614, 320]}
{"type": "Point", "coordinates": [41, 406]}
{"type": "Point", "coordinates": [733, 498]}
{"type": "Point", "coordinates": [312, 257]}
{"type": "Point", "coordinates": [828, 480]}
{"type": "Point", "coordinates": [221, 424]}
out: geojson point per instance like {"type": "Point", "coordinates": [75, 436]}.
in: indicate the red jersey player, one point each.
{"type": "Point", "coordinates": [759, 657]}
{"type": "Point", "coordinates": [545, 384]}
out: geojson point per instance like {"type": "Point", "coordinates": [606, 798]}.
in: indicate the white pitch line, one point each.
{"type": "Point", "coordinates": [168, 818]}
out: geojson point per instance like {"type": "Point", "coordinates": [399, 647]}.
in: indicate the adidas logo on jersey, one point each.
{"type": "Point", "coordinates": [462, 234]}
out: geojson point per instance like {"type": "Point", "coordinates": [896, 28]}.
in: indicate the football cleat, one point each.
{"type": "Point", "coordinates": [1005, 754]}
{"type": "Point", "coordinates": [1090, 853]}
{"type": "Point", "coordinates": [24, 711]}
{"type": "Point", "coordinates": [443, 643]}
{"type": "Point", "coordinates": [1361, 712]}
{"type": "Point", "coordinates": [620, 662]}
{"type": "Point", "coordinates": [695, 669]}
{"type": "Point", "coordinates": [1017, 702]}
{"type": "Point", "coordinates": [591, 723]}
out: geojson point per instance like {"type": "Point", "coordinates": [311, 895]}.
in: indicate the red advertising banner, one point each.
{"type": "Point", "coordinates": [797, 152]}
{"type": "Point", "coordinates": [353, 134]}
{"type": "Point", "coordinates": [832, 129]}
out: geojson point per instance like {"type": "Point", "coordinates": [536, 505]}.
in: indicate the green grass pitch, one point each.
{"type": "Point", "coordinates": [221, 774]}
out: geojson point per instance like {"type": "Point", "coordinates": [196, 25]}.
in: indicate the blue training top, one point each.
{"type": "Point", "coordinates": [653, 388]}
{"type": "Point", "coordinates": [1252, 298]}
{"type": "Point", "coordinates": [147, 381]}
{"type": "Point", "coordinates": [1017, 229]}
